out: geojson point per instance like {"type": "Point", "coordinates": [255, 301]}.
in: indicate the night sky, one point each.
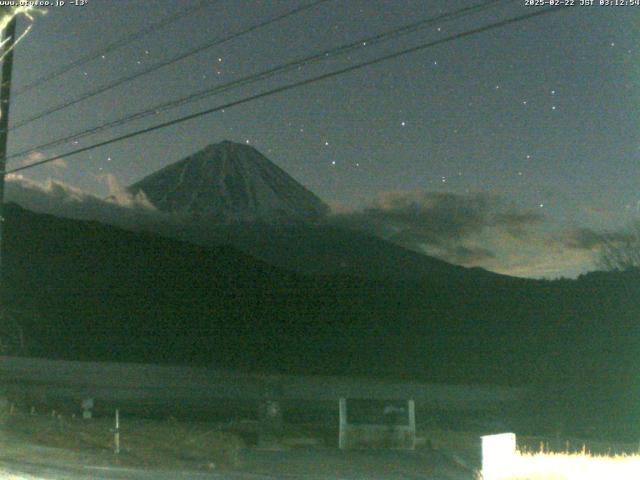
{"type": "Point", "coordinates": [510, 149]}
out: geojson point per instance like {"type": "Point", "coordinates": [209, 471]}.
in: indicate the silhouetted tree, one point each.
{"type": "Point", "coordinates": [621, 251]}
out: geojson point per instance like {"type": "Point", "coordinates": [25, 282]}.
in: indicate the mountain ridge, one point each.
{"type": "Point", "coordinates": [301, 238]}
{"type": "Point", "coordinates": [230, 182]}
{"type": "Point", "coordinates": [86, 291]}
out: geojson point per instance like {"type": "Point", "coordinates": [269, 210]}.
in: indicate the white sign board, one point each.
{"type": "Point", "coordinates": [498, 452]}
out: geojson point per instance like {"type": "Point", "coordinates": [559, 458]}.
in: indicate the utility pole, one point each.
{"type": "Point", "coordinates": [7, 37]}
{"type": "Point", "coordinates": [8, 41]}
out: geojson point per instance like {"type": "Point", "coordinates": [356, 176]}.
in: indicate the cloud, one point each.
{"type": "Point", "coordinates": [37, 156]}
{"type": "Point", "coordinates": [119, 195]}
{"type": "Point", "coordinates": [582, 239]}
{"type": "Point", "coordinates": [447, 225]}
{"type": "Point", "coordinates": [618, 249]}
{"type": "Point", "coordinates": [588, 239]}
{"type": "Point", "coordinates": [59, 163]}
{"type": "Point", "coordinates": [57, 198]}
{"type": "Point", "coordinates": [34, 156]}
{"type": "Point", "coordinates": [545, 263]}
{"type": "Point", "coordinates": [472, 230]}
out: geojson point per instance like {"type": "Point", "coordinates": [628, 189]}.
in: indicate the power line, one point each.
{"type": "Point", "coordinates": [154, 27]}
{"type": "Point", "coordinates": [165, 63]}
{"type": "Point", "coordinates": [291, 86]}
{"type": "Point", "coordinates": [282, 68]}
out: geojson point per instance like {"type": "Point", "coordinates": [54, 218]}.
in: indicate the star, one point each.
{"type": "Point", "coordinates": [403, 124]}
{"type": "Point", "coordinates": [326, 144]}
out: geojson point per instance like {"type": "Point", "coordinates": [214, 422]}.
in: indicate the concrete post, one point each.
{"type": "Point", "coordinates": [411, 404]}
{"type": "Point", "coordinates": [116, 434]}
{"type": "Point", "coordinates": [342, 435]}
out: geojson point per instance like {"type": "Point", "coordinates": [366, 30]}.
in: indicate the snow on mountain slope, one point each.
{"type": "Point", "coordinates": [229, 183]}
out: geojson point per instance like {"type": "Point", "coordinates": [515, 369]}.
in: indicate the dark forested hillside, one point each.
{"type": "Point", "coordinates": [88, 291]}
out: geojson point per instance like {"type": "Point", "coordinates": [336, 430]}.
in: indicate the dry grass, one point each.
{"type": "Point", "coordinates": [574, 463]}
{"type": "Point", "coordinates": [534, 461]}
{"type": "Point", "coordinates": [143, 443]}
{"type": "Point", "coordinates": [572, 466]}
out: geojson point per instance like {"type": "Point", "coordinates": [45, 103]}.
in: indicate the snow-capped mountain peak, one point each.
{"type": "Point", "coordinates": [230, 182]}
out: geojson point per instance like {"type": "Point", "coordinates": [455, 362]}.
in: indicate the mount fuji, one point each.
{"type": "Point", "coordinates": [230, 183]}
{"type": "Point", "coordinates": [231, 194]}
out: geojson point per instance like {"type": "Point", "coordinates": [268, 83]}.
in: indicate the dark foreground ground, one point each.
{"type": "Point", "coordinates": [53, 447]}
{"type": "Point", "coordinates": [30, 463]}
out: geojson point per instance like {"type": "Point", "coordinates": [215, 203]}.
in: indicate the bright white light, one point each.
{"type": "Point", "coordinates": [501, 461]}
{"type": "Point", "coordinates": [498, 453]}
{"type": "Point", "coordinates": [570, 467]}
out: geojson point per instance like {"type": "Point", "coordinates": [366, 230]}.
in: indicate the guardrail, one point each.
{"type": "Point", "coordinates": [125, 382]}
